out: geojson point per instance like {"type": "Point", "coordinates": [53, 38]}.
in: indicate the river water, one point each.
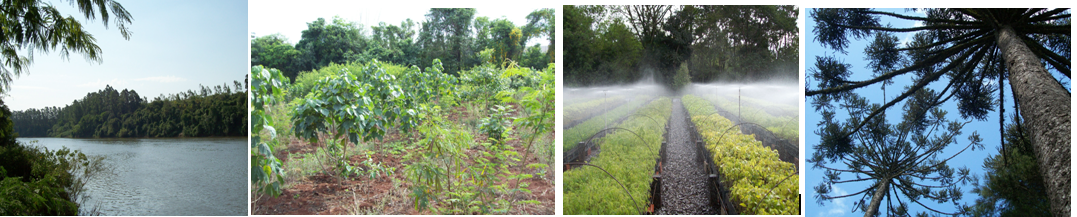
{"type": "Point", "coordinates": [171, 176]}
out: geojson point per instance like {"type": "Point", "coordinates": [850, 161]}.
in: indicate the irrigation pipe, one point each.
{"type": "Point", "coordinates": [636, 204]}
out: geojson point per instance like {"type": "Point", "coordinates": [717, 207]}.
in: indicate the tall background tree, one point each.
{"type": "Point", "coordinates": [274, 51]}
{"type": "Point", "coordinates": [619, 44]}
{"type": "Point", "coordinates": [109, 113]}
{"type": "Point", "coordinates": [453, 35]}
{"type": "Point", "coordinates": [966, 49]}
{"type": "Point", "coordinates": [1012, 185]}
{"type": "Point", "coordinates": [337, 42]}
{"type": "Point", "coordinates": [446, 33]}
{"type": "Point", "coordinates": [542, 22]}
{"type": "Point", "coordinates": [395, 43]}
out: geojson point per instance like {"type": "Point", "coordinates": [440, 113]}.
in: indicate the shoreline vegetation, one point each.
{"type": "Point", "coordinates": [37, 181]}
{"type": "Point", "coordinates": [218, 111]}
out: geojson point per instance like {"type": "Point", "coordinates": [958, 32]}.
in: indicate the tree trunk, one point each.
{"type": "Point", "coordinates": [1045, 107]}
{"type": "Point", "coordinates": [877, 198]}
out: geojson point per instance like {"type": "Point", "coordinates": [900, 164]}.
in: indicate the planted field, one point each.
{"type": "Point", "coordinates": [702, 164]}
{"type": "Point", "coordinates": [585, 130]}
{"type": "Point", "coordinates": [628, 158]}
{"type": "Point", "coordinates": [579, 112]}
{"type": "Point", "coordinates": [760, 182]}
{"type": "Point", "coordinates": [785, 127]}
{"type": "Point", "coordinates": [380, 138]}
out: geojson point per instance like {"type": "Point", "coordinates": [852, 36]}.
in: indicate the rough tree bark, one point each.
{"type": "Point", "coordinates": [1045, 107]}
{"type": "Point", "coordinates": [877, 198]}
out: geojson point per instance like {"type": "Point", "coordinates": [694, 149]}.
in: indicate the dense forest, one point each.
{"type": "Point", "coordinates": [620, 44]}
{"type": "Point", "coordinates": [453, 35]}
{"type": "Point", "coordinates": [210, 111]}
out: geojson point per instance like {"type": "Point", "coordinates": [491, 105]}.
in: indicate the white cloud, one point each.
{"type": "Point", "coordinates": [908, 36]}
{"type": "Point", "coordinates": [839, 206]}
{"type": "Point", "coordinates": [101, 83]}
{"type": "Point", "coordinates": [163, 79]}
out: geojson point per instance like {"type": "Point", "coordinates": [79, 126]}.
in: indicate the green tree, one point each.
{"type": "Point", "coordinates": [746, 42]}
{"type": "Point", "coordinates": [274, 51]}
{"type": "Point", "coordinates": [534, 58]}
{"type": "Point", "coordinates": [445, 36]}
{"type": "Point", "coordinates": [579, 54]}
{"type": "Point", "coordinates": [542, 22]}
{"type": "Point", "coordinates": [619, 52]}
{"type": "Point", "coordinates": [507, 39]}
{"type": "Point", "coordinates": [968, 47]}
{"type": "Point", "coordinates": [324, 43]}
{"type": "Point", "coordinates": [599, 49]}
{"type": "Point", "coordinates": [1012, 183]}
{"type": "Point", "coordinates": [662, 53]}
{"type": "Point", "coordinates": [37, 26]}
{"type": "Point", "coordinates": [395, 44]}
{"type": "Point", "coordinates": [903, 160]}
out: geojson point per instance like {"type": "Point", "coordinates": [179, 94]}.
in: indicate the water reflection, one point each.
{"type": "Point", "coordinates": [188, 176]}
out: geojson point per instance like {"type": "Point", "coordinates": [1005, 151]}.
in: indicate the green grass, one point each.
{"type": "Point", "coordinates": [300, 166]}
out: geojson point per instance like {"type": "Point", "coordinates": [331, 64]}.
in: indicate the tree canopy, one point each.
{"type": "Point", "coordinates": [453, 35]}
{"type": "Point", "coordinates": [36, 26]}
{"type": "Point", "coordinates": [274, 51]}
{"type": "Point", "coordinates": [210, 111]}
{"type": "Point", "coordinates": [617, 44]}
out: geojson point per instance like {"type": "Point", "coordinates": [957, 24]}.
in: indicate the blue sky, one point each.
{"type": "Point", "coordinates": [973, 160]}
{"type": "Point", "coordinates": [174, 47]}
{"type": "Point", "coordinates": [290, 19]}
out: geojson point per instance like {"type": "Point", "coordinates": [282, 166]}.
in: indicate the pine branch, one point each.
{"type": "Point", "coordinates": [964, 39]}
{"type": "Point", "coordinates": [913, 29]}
{"type": "Point", "coordinates": [929, 61]}
{"type": "Point", "coordinates": [906, 17]}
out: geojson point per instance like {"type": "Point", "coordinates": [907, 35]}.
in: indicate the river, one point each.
{"type": "Point", "coordinates": [170, 176]}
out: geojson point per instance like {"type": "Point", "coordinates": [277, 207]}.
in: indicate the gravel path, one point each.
{"type": "Point", "coordinates": [683, 181]}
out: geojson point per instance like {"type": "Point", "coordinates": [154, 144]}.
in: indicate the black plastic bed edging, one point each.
{"type": "Point", "coordinates": [656, 179]}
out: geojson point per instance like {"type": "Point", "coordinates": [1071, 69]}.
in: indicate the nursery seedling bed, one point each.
{"type": "Point", "coordinates": [585, 150]}
{"type": "Point", "coordinates": [603, 109]}
{"type": "Point", "coordinates": [787, 151]}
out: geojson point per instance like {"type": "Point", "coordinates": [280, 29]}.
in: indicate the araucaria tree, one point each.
{"type": "Point", "coordinates": [903, 160]}
{"type": "Point", "coordinates": [973, 52]}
